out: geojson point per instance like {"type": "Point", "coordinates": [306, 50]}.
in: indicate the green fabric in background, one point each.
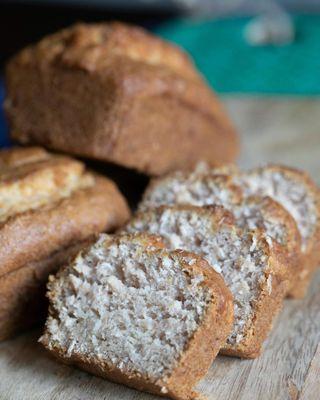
{"type": "Point", "coordinates": [232, 66]}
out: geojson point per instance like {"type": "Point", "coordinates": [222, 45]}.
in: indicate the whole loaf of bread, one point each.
{"type": "Point", "coordinates": [116, 93]}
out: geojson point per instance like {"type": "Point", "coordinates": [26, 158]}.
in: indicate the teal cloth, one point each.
{"type": "Point", "coordinates": [232, 66]}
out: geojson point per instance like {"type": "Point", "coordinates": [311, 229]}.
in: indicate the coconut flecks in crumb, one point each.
{"type": "Point", "coordinates": [194, 188]}
{"type": "Point", "coordinates": [290, 193]}
{"type": "Point", "coordinates": [128, 307]}
{"type": "Point", "coordinates": [204, 187]}
{"type": "Point", "coordinates": [238, 257]}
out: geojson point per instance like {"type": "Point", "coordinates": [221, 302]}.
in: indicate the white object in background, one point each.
{"type": "Point", "coordinates": [276, 29]}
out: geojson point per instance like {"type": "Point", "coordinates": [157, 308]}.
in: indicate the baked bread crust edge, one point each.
{"type": "Point", "coordinates": [22, 292]}
{"type": "Point", "coordinates": [35, 234]}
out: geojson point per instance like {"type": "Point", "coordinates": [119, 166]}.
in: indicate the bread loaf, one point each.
{"type": "Point", "coordinates": [248, 262]}
{"type": "Point", "coordinates": [48, 205]}
{"type": "Point", "coordinates": [299, 195]}
{"type": "Point", "coordinates": [205, 186]}
{"type": "Point", "coordinates": [116, 93]}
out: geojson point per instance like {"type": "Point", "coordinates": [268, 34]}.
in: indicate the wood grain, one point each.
{"type": "Point", "coordinates": [311, 387]}
{"type": "Point", "coordinates": [273, 130]}
{"type": "Point", "coordinates": [286, 131]}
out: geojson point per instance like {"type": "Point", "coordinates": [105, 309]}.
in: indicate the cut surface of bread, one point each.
{"type": "Point", "coordinates": [248, 263]}
{"type": "Point", "coordinates": [131, 311]}
{"type": "Point", "coordinates": [296, 192]}
{"type": "Point", "coordinates": [194, 188]}
{"type": "Point", "coordinates": [291, 188]}
{"type": "Point", "coordinates": [257, 212]}
{"type": "Point", "coordinates": [116, 93]}
{"type": "Point", "coordinates": [47, 203]}
{"type": "Point", "coordinates": [205, 186]}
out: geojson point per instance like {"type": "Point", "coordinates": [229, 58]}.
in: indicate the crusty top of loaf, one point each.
{"type": "Point", "coordinates": [93, 46]}
{"type": "Point", "coordinates": [14, 157]}
{"type": "Point", "coordinates": [31, 178]}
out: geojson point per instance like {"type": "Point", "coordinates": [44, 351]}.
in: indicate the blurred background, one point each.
{"type": "Point", "coordinates": [247, 49]}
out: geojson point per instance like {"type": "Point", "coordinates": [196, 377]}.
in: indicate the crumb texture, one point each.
{"type": "Point", "coordinates": [194, 188]}
{"type": "Point", "coordinates": [238, 255]}
{"type": "Point", "coordinates": [290, 191]}
{"type": "Point", "coordinates": [254, 215]}
{"type": "Point", "coordinates": [205, 186]}
{"type": "Point", "coordinates": [127, 305]}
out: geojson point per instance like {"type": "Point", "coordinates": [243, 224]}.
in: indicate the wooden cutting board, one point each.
{"type": "Point", "coordinates": [286, 131]}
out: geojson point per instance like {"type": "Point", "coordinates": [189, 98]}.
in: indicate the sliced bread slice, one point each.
{"type": "Point", "coordinates": [278, 224]}
{"type": "Point", "coordinates": [132, 312]}
{"type": "Point", "coordinates": [205, 186]}
{"type": "Point", "coordinates": [299, 195]}
{"type": "Point", "coordinates": [247, 261]}
{"type": "Point", "coordinates": [197, 188]}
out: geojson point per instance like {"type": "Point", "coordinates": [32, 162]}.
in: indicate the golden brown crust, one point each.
{"type": "Point", "coordinates": [22, 292]}
{"type": "Point", "coordinates": [107, 83]}
{"type": "Point", "coordinates": [208, 339]}
{"type": "Point", "coordinates": [17, 156]}
{"type": "Point", "coordinates": [201, 349]}
{"type": "Point", "coordinates": [35, 234]}
{"type": "Point", "coordinates": [93, 46]}
{"type": "Point", "coordinates": [24, 165]}
{"type": "Point", "coordinates": [309, 263]}
{"type": "Point", "coordinates": [49, 205]}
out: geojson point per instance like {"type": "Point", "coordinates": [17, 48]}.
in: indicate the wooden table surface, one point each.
{"type": "Point", "coordinates": [286, 131]}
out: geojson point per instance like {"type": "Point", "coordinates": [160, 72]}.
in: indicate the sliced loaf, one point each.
{"type": "Point", "coordinates": [130, 311]}
{"type": "Point", "coordinates": [116, 93]}
{"type": "Point", "coordinates": [197, 188]}
{"type": "Point", "coordinates": [205, 186]}
{"type": "Point", "coordinates": [248, 262]}
{"type": "Point", "coordinates": [299, 195]}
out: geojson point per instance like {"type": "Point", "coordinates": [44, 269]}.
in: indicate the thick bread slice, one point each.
{"type": "Point", "coordinates": [299, 195]}
{"type": "Point", "coordinates": [194, 188]}
{"type": "Point", "coordinates": [129, 310]}
{"type": "Point", "coordinates": [22, 292]}
{"type": "Point", "coordinates": [116, 93]}
{"type": "Point", "coordinates": [250, 265]}
{"type": "Point", "coordinates": [278, 224]}
{"type": "Point", "coordinates": [205, 186]}
{"type": "Point", "coordinates": [51, 203]}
